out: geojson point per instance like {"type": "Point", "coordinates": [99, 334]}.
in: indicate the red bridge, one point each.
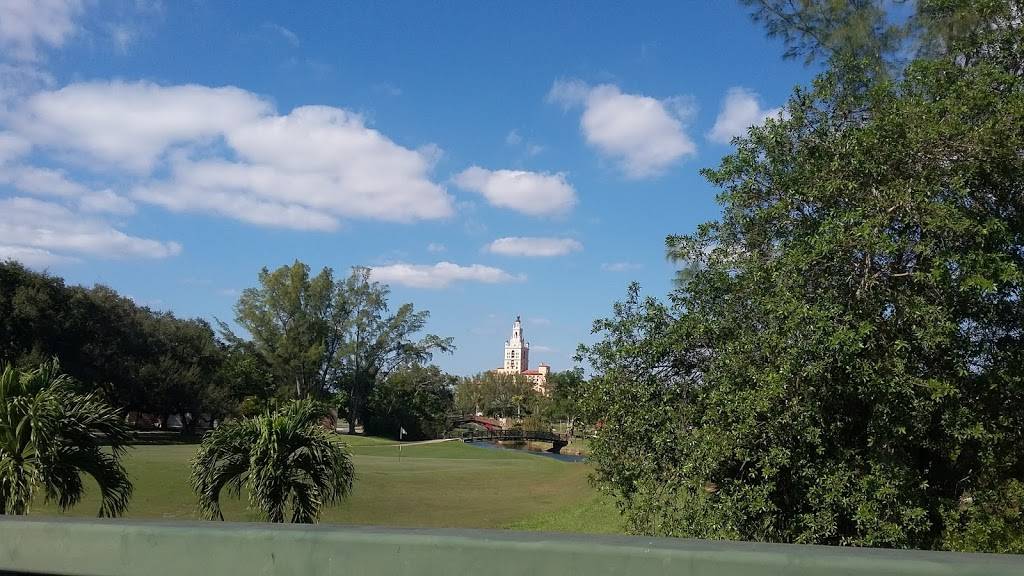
{"type": "Point", "coordinates": [489, 423]}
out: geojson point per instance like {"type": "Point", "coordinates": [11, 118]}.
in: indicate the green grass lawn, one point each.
{"type": "Point", "coordinates": [446, 484]}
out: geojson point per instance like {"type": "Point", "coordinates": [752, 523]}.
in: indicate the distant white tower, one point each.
{"type": "Point", "coordinates": [517, 350]}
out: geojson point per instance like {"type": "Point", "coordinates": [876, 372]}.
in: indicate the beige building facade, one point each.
{"type": "Point", "coordinates": [517, 360]}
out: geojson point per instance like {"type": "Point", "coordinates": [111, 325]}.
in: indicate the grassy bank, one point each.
{"type": "Point", "coordinates": [430, 485]}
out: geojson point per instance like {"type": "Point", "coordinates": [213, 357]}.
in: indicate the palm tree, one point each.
{"type": "Point", "coordinates": [50, 436]}
{"type": "Point", "coordinates": [284, 459]}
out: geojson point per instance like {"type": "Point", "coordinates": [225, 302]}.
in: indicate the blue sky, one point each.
{"type": "Point", "coordinates": [486, 159]}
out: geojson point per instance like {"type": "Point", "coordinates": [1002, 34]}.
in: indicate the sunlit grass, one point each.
{"type": "Point", "coordinates": [596, 515]}
{"type": "Point", "coordinates": [448, 484]}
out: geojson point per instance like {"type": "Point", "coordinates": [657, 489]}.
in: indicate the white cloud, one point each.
{"type": "Point", "coordinates": [533, 193]}
{"type": "Point", "coordinates": [54, 182]}
{"type": "Point", "coordinates": [179, 196]}
{"type": "Point", "coordinates": [18, 81]}
{"type": "Point", "coordinates": [642, 134]}
{"type": "Point", "coordinates": [36, 228]}
{"type": "Point", "coordinates": [533, 246]}
{"type": "Point", "coordinates": [539, 321]}
{"type": "Point", "coordinates": [620, 266]}
{"type": "Point", "coordinates": [106, 201]}
{"type": "Point", "coordinates": [42, 181]}
{"type": "Point", "coordinates": [32, 257]}
{"type": "Point", "coordinates": [436, 247]}
{"type": "Point", "coordinates": [741, 109]}
{"type": "Point", "coordinates": [441, 275]}
{"type": "Point", "coordinates": [387, 89]}
{"type": "Point", "coordinates": [12, 147]}
{"type": "Point", "coordinates": [123, 36]}
{"type": "Point", "coordinates": [229, 154]}
{"type": "Point", "coordinates": [514, 139]}
{"type": "Point", "coordinates": [542, 348]}
{"type": "Point", "coordinates": [27, 25]}
{"type": "Point", "coordinates": [285, 33]}
{"type": "Point", "coordinates": [328, 159]}
{"type": "Point", "coordinates": [569, 93]}
{"type": "Point", "coordinates": [131, 125]}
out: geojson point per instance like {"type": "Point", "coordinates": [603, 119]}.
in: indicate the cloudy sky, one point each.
{"type": "Point", "coordinates": [486, 159]}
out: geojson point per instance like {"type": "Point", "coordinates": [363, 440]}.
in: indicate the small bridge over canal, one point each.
{"type": "Point", "coordinates": [558, 441]}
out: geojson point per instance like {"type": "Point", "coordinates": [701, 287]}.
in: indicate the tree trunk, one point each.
{"type": "Point", "coordinates": [353, 410]}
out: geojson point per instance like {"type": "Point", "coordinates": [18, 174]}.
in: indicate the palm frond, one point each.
{"type": "Point", "coordinates": [285, 460]}
{"type": "Point", "coordinates": [222, 462]}
{"type": "Point", "coordinates": [50, 435]}
{"type": "Point", "coordinates": [106, 470]}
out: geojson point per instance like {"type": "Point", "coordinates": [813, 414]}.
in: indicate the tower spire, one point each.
{"type": "Point", "coordinates": [517, 350]}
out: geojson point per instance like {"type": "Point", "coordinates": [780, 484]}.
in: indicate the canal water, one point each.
{"type": "Point", "coordinates": [526, 448]}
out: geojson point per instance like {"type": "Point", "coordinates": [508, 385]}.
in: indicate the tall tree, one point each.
{"type": "Point", "coordinates": [285, 460]}
{"type": "Point", "coordinates": [295, 321]}
{"type": "Point", "coordinates": [181, 372]}
{"type": "Point", "coordinates": [376, 341]}
{"type": "Point", "coordinates": [415, 398]}
{"type": "Point", "coordinates": [843, 364]}
{"type": "Point", "coordinates": [826, 30]}
{"type": "Point", "coordinates": [50, 436]}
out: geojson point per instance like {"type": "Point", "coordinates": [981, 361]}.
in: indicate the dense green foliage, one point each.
{"type": "Point", "coordinates": [142, 360]}
{"type": "Point", "coordinates": [864, 30]}
{"type": "Point", "coordinates": [842, 360]}
{"type": "Point", "coordinates": [513, 396]}
{"type": "Point", "coordinates": [564, 398]}
{"type": "Point", "coordinates": [285, 460]}
{"type": "Point", "coordinates": [311, 336]}
{"type": "Point", "coordinates": [497, 394]}
{"type": "Point", "coordinates": [318, 336]}
{"type": "Point", "coordinates": [50, 436]}
{"type": "Point", "coordinates": [295, 324]}
{"type": "Point", "coordinates": [415, 398]}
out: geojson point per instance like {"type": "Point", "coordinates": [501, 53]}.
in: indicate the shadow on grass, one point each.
{"type": "Point", "coordinates": [165, 437]}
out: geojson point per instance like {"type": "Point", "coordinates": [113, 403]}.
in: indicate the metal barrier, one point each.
{"type": "Point", "coordinates": [116, 547]}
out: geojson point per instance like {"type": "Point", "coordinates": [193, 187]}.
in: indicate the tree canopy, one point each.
{"type": "Point", "coordinates": [141, 360]}
{"type": "Point", "coordinates": [324, 335]}
{"type": "Point", "coordinates": [841, 362]}
{"type": "Point", "coordinates": [416, 398]}
{"type": "Point", "coordinates": [295, 323]}
{"type": "Point", "coordinates": [496, 394]}
{"type": "Point", "coordinates": [377, 341]}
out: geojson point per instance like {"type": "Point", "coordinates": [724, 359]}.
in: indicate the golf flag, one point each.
{"type": "Point", "coordinates": [401, 432]}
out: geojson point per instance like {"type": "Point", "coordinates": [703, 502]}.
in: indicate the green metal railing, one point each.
{"type": "Point", "coordinates": [115, 547]}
